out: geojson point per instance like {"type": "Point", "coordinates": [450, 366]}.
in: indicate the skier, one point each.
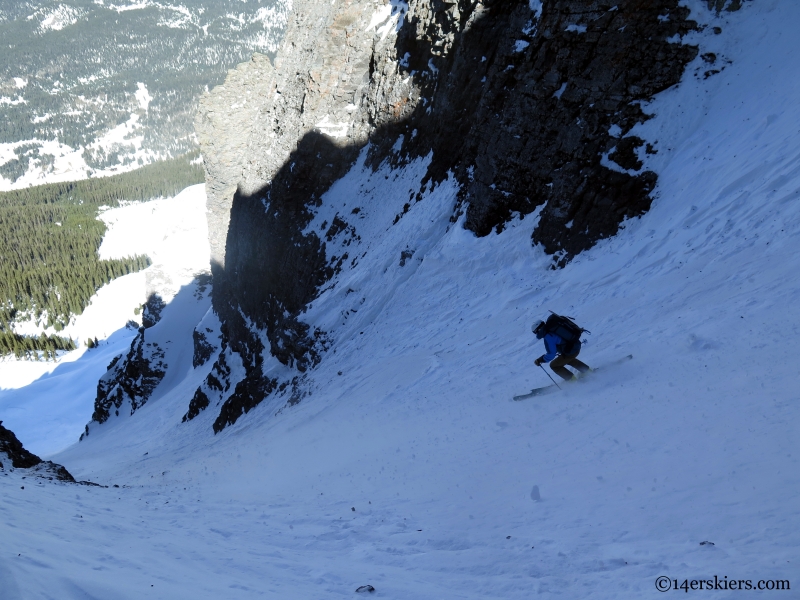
{"type": "Point", "coordinates": [562, 343]}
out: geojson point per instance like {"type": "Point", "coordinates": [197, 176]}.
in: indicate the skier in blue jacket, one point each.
{"type": "Point", "coordinates": [558, 352]}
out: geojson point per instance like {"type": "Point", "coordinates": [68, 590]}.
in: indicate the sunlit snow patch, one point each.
{"type": "Point", "coordinates": [143, 97]}
{"type": "Point", "coordinates": [66, 164]}
{"type": "Point", "coordinates": [181, 17]}
{"type": "Point", "coordinates": [274, 20]}
{"type": "Point", "coordinates": [57, 18]}
{"type": "Point", "coordinates": [134, 5]}
{"type": "Point", "coordinates": [388, 17]}
{"type": "Point", "coordinates": [171, 231]}
{"type": "Point", "coordinates": [331, 128]}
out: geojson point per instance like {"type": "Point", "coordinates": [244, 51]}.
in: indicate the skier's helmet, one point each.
{"type": "Point", "coordinates": [538, 329]}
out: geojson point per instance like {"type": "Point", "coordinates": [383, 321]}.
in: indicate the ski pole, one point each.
{"type": "Point", "coordinates": [551, 379]}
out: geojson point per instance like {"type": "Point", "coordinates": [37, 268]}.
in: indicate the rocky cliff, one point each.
{"type": "Point", "coordinates": [529, 104]}
{"type": "Point", "coordinates": [13, 455]}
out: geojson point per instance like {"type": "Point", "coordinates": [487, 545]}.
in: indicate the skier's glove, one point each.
{"type": "Point", "coordinates": [538, 362]}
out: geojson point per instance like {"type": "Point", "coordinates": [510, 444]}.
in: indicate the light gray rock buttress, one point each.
{"type": "Point", "coordinates": [335, 73]}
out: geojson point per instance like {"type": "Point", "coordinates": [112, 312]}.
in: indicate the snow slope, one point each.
{"type": "Point", "coordinates": [408, 467]}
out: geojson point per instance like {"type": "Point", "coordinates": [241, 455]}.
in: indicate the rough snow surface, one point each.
{"type": "Point", "coordinates": [409, 468]}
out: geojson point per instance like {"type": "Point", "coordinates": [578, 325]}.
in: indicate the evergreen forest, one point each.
{"type": "Point", "coordinates": [49, 241]}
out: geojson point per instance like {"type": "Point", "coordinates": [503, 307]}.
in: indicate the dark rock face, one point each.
{"type": "Point", "coordinates": [216, 385]}
{"type": "Point", "coordinates": [265, 235]}
{"type": "Point", "coordinates": [530, 124]}
{"type": "Point", "coordinates": [202, 348]}
{"type": "Point", "coordinates": [198, 404]}
{"type": "Point", "coordinates": [20, 458]}
{"type": "Point", "coordinates": [248, 394]}
{"type": "Point", "coordinates": [212, 387]}
{"type": "Point", "coordinates": [13, 448]}
{"type": "Point", "coordinates": [133, 377]}
{"type": "Point", "coordinates": [526, 107]}
{"type": "Point", "coordinates": [51, 470]}
{"type": "Point", "coordinates": [151, 312]}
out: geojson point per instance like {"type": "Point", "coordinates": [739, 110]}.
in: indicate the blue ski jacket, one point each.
{"type": "Point", "coordinates": [551, 343]}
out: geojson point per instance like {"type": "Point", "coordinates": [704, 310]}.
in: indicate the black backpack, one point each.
{"type": "Point", "coordinates": [566, 329]}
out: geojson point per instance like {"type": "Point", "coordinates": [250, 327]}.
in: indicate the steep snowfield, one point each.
{"type": "Point", "coordinates": [414, 472]}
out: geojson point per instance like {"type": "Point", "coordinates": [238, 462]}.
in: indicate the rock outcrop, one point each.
{"type": "Point", "coordinates": [151, 311]}
{"type": "Point", "coordinates": [13, 454]}
{"type": "Point", "coordinates": [528, 104]}
{"type": "Point", "coordinates": [130, 378]}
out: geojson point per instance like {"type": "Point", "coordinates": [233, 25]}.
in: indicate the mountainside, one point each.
{"type": "Point", "coordinates": [90, 87]}
{"type": "Point", "coordinates": [394, 456]}
{"type": "Point", "coordinates": [523, 106]}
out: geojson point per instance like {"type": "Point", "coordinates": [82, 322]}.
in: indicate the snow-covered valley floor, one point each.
{"type": "Point", "coordinates": [413, 470]}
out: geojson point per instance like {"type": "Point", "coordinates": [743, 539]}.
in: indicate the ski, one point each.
{"type": "Point", "coordinates": [552, 388]}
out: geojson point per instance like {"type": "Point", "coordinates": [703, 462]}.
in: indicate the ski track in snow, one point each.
{"type": "Point", "coordinates": [694, 440]}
